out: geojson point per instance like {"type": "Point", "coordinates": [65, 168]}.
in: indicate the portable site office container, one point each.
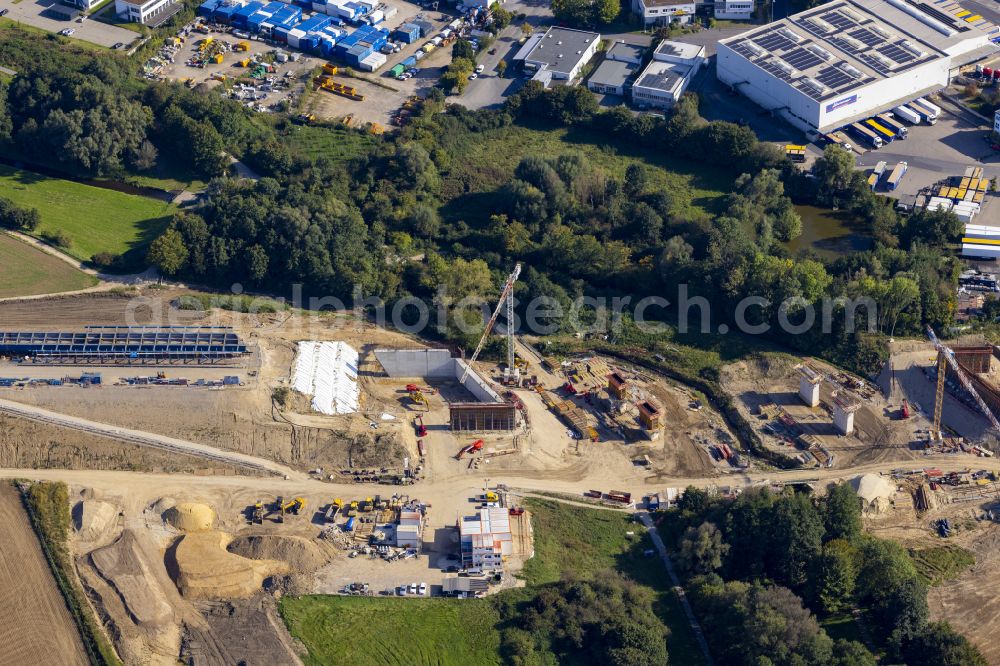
{"type": "Point", "coordinates": [397, 70]}
{"type": "Point", "coordinates": [407, 33]}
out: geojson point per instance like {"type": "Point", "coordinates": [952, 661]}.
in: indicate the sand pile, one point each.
{"type": "Point", "coordinates": [190, 517]}
{"type": "Point", "coordinates": [301, 554]}
{"type": "Point", "coordinates": [92, 517]}
{"type": "Point", "coordinates": [203, 568]}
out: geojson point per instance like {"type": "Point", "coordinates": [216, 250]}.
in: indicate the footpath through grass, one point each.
{"type": "Point", "coordinates": [95, 219]}
{"type": "Point", "coordinates": [25, 271]}
{"type": "Point", "coordinates": [569, 541]}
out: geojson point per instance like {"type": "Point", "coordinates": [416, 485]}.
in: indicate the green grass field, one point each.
{"type": "Point", "coordinates": [382, 632]}
{"type": "Point", "coordinates": [942, 563]}
{"type": "Point", "coordinates": [96, 219]}
{"type": "Point", "coordinates": [490, 157]}
{"type": "Point", "coordinates": [336, 143]}
{"type": "Point", "coordinates": [569, 540]}
{"type": "Point", "coordinates": [25, 271]}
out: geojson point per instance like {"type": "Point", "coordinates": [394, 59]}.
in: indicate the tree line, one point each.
{"type": "Point", "coordinates": [762, 568]}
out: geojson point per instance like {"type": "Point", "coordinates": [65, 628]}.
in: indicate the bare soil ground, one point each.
{"type": "Point", "coordinates": [39, 628]}
{"type": "Point", "coordinates": [971, 603]}
{"type": "Point", "coordinates": [773, 380]}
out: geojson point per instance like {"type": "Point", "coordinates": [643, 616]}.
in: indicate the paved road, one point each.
{"type": "Point", "coordinates": [37, 13]}
{"type": "Point", "coordinates": [148, 439]}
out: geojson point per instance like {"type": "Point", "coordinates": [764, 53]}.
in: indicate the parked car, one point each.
{"type": "Point", "coordinates": [473, 76]}
{"type": "Point", "coordinates": [480, 69]}
{"type": "Point", "coordinates": [3, 12]}
{"type": "Point", "coordinates": [422, 590]}
{"type": "Point", "coordinates": [412, 589]}
{"type": "Point", "coordinates": [117, 45]}
{"type": "Point", "coordinates": [401, 590]}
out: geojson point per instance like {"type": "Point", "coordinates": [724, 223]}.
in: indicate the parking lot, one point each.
{"type": "Point", "coordinates": [934, 152]}
{"type": "Point", "coordinates": [40, 14]}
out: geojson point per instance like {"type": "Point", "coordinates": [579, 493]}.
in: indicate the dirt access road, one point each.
{"type": "Point", "coordinates": [37, 629]}
{"type": "Point", "coordinates": [147, 439]}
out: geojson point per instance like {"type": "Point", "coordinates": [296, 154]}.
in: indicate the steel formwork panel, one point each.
{"type": "Point", "coordinates": [126, 343]}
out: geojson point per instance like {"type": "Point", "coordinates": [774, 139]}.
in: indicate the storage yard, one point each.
{"type": "Point", "coordinates": [374, 57]}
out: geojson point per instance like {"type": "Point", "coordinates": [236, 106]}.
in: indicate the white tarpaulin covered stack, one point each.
{"type": "Point", "coordinates": [328, 371]}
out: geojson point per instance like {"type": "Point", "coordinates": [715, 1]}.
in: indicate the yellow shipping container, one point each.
{"type": "Point", "coordinates": [217, 58]}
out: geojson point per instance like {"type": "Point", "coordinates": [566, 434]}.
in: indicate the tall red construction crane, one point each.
{"type": "Point", "coordinates": [506, 297]}
{"type": "Point", "coordinates": [947, 356]}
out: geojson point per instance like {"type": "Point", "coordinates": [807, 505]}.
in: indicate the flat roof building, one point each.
{"type": "Point", "coordinates": [561, 51]}
{"type": "Point", "coordinates": [733, 10]}
{"type": "Point", "coordinates": [847, 60]}
{"type": "Point", "coordinates": [486, 539]}
{"type": "Point", "coordinates": [625, 52]}
{"type": "Point", "coordinates": [611, 77]}
{"type": "Point", "coordinates": [668, 75]}
{"type": "Point", "coordinates": [680, 53]}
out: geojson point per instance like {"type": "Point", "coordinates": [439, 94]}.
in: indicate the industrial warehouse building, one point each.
{"type": "Point", "coordinates": [849, 59]}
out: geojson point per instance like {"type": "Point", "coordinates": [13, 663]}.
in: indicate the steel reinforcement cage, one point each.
{"type": "Point", "coordinates": [126, 345]}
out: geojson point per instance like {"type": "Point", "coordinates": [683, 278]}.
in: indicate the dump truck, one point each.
{"type": "Point", "coordinates": [420, 448]}
{"type": "Point", "coordinates": [596, 494]}
{"type": "Point", "coordinates": [896, 175]}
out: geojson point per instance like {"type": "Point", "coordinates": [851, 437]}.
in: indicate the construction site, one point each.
{"type": "Point", "coordinates": [352, 459]}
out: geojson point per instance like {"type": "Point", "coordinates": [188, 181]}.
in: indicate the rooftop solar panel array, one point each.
{"type": "Point", "coordinates": [832, 77]}
{"type": "Point", "coordinates": [896, 53]}
{"type": "Point", "coordinates": [777, 70]}
{"type": "Point", "coordinates": [838, 20]}
{"type": "Point", "coordinates": [941, 16]}
{"type": "Point", "coordinates": [774, 42]}
{"type": "Point", "coordinates": [802, 59]}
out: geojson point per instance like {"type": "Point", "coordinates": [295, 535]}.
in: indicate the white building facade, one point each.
{"type": "Point", "coordinates": [141, 12]}
{"type": "Point", "coordinates": [850, 59]}
{"type": "Point", "coordinates": [733, 10]}
{"type": "Point", "coordinates": [664, 12]}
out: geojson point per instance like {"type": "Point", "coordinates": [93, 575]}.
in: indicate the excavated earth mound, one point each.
{"type": "Point", "coordinates": [203, 569]}
{"type": "Point", "coordinates": [301, 554]}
